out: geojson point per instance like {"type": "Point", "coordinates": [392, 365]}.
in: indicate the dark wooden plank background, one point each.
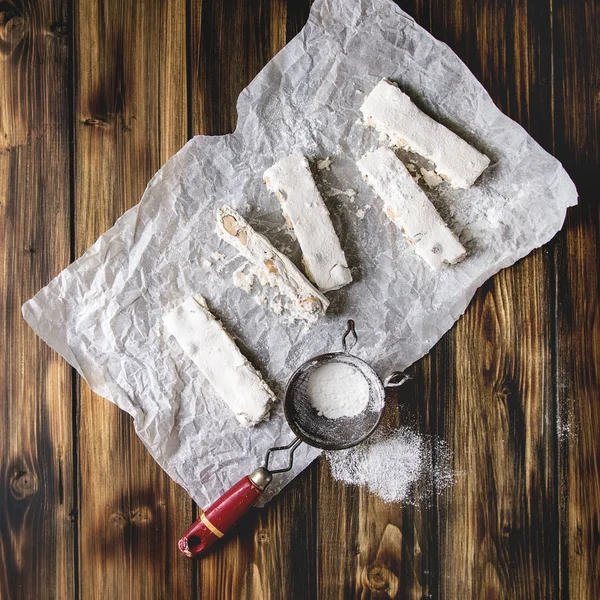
{"type": "Point", "coordinates": [94, 97]}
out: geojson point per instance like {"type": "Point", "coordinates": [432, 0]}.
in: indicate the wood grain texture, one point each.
{"type": "Point", "coordinates": [577, 144]}
{"type": "Point", "coordinates": [37, 529]}
{"type": "Point", "coordinates": [94, 97]}
{"type": "Point", "coordinates": [130, 117]}
{"type": "Point", "coordinates": [230, 44]}
{"type": "Point", "coordinates": [368, 548]}
{"type": "Point", "coordinates": [396, 543]}
{"type": "Point", "coordinates": [499, 523]}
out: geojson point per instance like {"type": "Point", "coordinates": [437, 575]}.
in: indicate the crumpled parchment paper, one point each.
{"type": "Point", "coordinates": [103, 313]}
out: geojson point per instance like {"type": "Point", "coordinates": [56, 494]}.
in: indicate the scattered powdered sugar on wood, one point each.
{"type": "Point", "coordinates": [563, 430]}
{"type": "Point", "coordinates": [566, 428]}
{"type": "Point", "coordinates": [400, 465]}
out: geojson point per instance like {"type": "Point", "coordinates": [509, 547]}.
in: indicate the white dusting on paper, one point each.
{"type": "Point", "coordinates": [277, 306]}
{"type": "Point", "coordinates": [349, 193]}
{"type": "Point", "coordinates": [242, 279]}
{"type": "Point", "coordinates": [396, 465]}
{"type": "Point", "coordinates": [219, 261]}
{"type": "Point", "coordinates": [494, 216]}
{"type": "Point", "coordinates": [324, 165]}
{"type": "Point", "coordinates": [261, 275]}
{"type": "Point", "coordinates": [338, 390]}
{"type": "Point", "coordinates": [261, 300]}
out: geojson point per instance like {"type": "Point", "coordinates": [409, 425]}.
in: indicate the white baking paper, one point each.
{"type": "Point", "coordinates": [103, 313]}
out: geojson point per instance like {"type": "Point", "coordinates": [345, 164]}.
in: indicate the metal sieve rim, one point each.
{"type": "Point", "coordinates": [314, 362]}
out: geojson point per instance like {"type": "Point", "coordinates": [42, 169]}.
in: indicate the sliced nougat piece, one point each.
{"type": "Point", "coordinates": [323, 259]}
{"type": "Point", "coordinates": [389, 110]}
{"type": "Point", "coordinates": [234, 379]}
{"type": "Point", "coordinates": [304, 300]}
{"type": "Point", "coordinates": [409, 208]}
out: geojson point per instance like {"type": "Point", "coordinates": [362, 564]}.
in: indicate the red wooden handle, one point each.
{"type": "Point", "coordinates": [214, 523]}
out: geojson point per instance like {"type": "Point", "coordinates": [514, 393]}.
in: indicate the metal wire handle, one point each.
{"type": "Point", "coordinates": [347, 346]}
{"type": "Point", "coordinates": [291, 446]}
{"type": "Point", "coordinates": [396, 379]}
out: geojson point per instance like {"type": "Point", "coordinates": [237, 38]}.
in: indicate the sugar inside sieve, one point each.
{"type": "Point", "coordinates": [320, 431]}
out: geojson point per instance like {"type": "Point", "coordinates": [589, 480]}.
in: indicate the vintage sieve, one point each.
{"type": "Point", "coordinates": [310, 427]}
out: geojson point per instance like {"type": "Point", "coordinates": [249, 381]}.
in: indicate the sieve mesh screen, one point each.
{"type": "Point", "coordinates": [332, 434]}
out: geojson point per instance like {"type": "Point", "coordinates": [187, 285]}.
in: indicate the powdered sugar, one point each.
{"type": "Point", "coordinates": [399, 465]}
{"type": "Point", "coordinates": [338, 390]}
{"type": "Point", "coordinates": [431, 178]}
{"type": "Point", "coordinates": [242, 279]}
{"type": "Point", "coordinates": [333, 192]}
{"type": "Point", "coordinates": [323, 165]}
